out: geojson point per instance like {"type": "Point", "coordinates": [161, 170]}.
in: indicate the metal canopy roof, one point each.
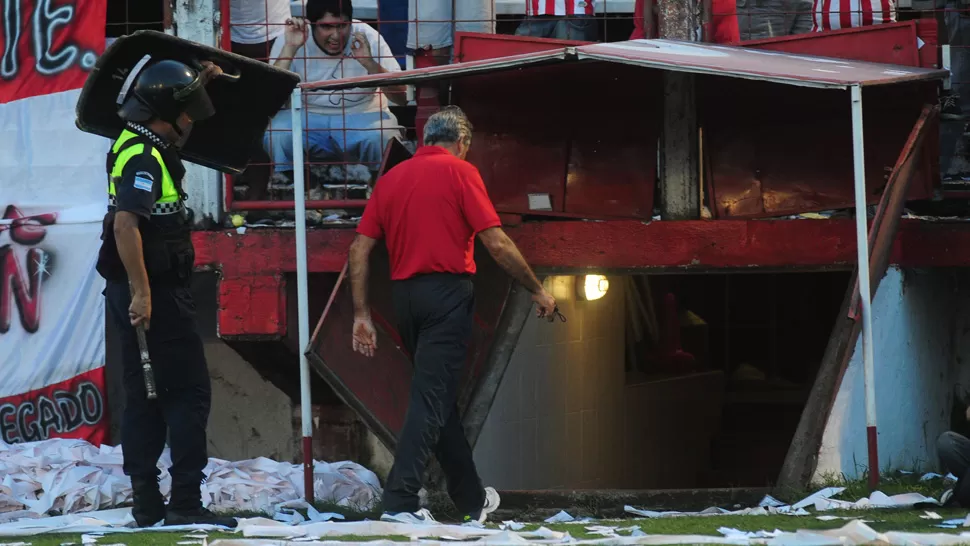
{"type": "Point", "coordinates": [755, 64]}
{"type": "Point", "coordinates": [690, 57]}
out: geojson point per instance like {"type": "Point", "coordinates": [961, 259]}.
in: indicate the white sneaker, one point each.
{"type": "Point", "coordinates": [492, 500]}
{"type": "Point", "coordinates": [421, 517]}
{"type": "Point", "coordinates": [946, 497]}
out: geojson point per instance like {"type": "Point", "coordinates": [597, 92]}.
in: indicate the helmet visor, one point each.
{"type": "Point", "coordinates": [199, 106]}
{"type": "Point", "coordinates": [195, 102]}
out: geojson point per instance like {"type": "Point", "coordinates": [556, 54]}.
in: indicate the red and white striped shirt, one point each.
{"type": "Point", "coordinates": [561, 7]}
{"type": "Point", "coordinates": [836, 14]}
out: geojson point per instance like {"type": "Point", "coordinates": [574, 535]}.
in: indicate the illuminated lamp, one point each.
{"type": "Point", "coordinates": [593, 287]}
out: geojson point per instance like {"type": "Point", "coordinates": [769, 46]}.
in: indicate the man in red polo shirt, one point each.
{"type": "Point", "coordinates": [429, 209]}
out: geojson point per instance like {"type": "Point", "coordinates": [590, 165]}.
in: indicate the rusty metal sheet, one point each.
{"type": "Point", "coordinates": [513, 165]}
{"type": "Point", "coordinates": [592, 162]}
{"type": "Point", "coordinates": [737, 62]}
{"type": "Point", "coordinates": [759, 165]}
{"type": "Point", "coordinates": [611, 176]}
{"type": "Point", "coordinates": [378, 388]}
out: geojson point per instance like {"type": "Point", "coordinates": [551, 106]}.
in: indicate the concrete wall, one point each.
{"type": "Point", "coordinates": [561, 399]}
{"type": "Point", "coordinates": [250, 417]}
{"type": "Point", "coordinates": [915, 318]}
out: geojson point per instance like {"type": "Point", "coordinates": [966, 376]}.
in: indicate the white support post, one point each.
{"type": "Point", "coordinates": [947, 81]}
{"type": "Point", "coordinates": [862, 242]}
{"type": "Point", "coordinates": [302, 304]}
{"type": "Point", "coordinates": [409, 65]}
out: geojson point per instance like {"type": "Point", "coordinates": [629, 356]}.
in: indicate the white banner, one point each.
{"type": "Point", "coordinates": [52, 199]}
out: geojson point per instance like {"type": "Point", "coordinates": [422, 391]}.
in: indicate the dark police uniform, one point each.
{"type": "Point", "coordinates": [145, 179]}
{"type": "Point", "coordinates": [145, 176]}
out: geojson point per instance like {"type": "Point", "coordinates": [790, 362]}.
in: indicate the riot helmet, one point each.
{"type": "Point", "coordinates": [164, 90]}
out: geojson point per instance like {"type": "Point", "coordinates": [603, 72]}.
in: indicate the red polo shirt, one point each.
{"type": "Point", "coordinates": [429, 208]}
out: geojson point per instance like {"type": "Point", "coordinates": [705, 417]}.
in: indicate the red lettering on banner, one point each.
{"type": "Point", "coordinates": [20, 286]}
{"type": "Point", "coordinates": [24, 290]}
{"type": "Point", "coordinates": [75, 408]}
{"type": "Point", "coordinates": [26, 230]}
{"type": "Point", "coordinates": [48, 46]}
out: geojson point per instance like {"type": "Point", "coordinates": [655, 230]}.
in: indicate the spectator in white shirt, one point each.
{"type": "Point", "coordinates": [255, 25]}
{"type": "Point", "coordinates": [432, 24]}
{"type": "Point", "coordinates": [352, 125]}
{"type": "Point", "coordinates": [560, 19]}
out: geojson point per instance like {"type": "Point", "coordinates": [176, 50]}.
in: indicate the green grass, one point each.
{"type": "Point", "coordinates": [890, 483]}
{"type": "Point", "coordinates": [881, 520]}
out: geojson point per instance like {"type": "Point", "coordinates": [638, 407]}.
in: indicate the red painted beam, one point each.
{"type": "Point", "coordinates": [697, 244]}
{"type": "Point", "coordinates": [252, 265]}
{"type": "Point", "coordinates": [269, 251]}
{"type": "Point", "coordinates": [621, 245]}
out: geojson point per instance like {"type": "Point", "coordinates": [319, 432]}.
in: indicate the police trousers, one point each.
{"type": "Point", "coordinates": [434, 315]}
{"type": "Point", "coordinates": [181, 410]}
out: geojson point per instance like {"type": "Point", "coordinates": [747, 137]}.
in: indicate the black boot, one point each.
{"type": "Point", "coordinates": [950, 106]}
{"type": "Point", "coordinates": [196, 516]}
{"type": "Point", "coordinates": [185, 508]}
{"type": "Point", "coordinates": [149, 506]}
{"type": "Point", "coordinates": [961, 493]}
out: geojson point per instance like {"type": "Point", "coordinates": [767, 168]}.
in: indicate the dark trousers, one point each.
{"type": "Point", "coordinates": [181, 410]}
{"type": "Point", "coordinates": [954, 452]}
{"type": "Point", "coordinates": [435, 314]}
{"type": "Point", "coordinates": [258, 52]}
{"type": "Point", "coordinates": [573, 27]}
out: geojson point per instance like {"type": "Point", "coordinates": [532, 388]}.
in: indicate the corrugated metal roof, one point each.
{"type": "Point", "coordinates": [756, 64]}
{"type": "Point", "coordinates": [691, 57]}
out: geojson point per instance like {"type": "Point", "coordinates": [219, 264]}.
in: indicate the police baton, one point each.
{"type": "Point", "coordinates": [146, 361]}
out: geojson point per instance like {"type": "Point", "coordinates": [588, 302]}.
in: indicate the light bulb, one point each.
{"type": "Point", "coordinates": [595, 287]}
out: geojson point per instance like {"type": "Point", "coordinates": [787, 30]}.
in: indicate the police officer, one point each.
{"type": "Point", "coordinates": [147, 259]}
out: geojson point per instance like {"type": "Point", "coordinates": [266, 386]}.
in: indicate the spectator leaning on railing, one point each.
{"type": "Point", "coordinates": [432, 24]}
{"type": "Point", "coordinates": [352, 125]}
